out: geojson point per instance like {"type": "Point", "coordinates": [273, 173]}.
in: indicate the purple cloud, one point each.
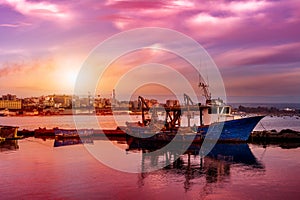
{"type": "Point", "coordinates": [239, 35]}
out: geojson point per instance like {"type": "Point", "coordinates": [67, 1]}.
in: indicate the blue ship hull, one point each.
{"type": "Point", "coordinates": [233, 130]}
{"type": "Point", "coordinates": [237, 130]}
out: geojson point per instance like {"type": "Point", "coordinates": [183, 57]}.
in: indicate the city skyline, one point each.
{"type": "Point", "coordinates": [255, 44]}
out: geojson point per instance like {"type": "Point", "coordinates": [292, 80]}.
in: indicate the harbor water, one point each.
{"type": "Point", "coordinates": [108, 122]}
{"type": "Point", "coordinates": [46, 168]}
{"type": "Point", "coordinates": [34, 168]}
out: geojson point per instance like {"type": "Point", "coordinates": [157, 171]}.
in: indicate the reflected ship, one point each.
{"type": "Point", "coordinates": [232, 153]}
{"type": "Point", "coordinates": [212, 168]}
{"type": "Point", "coordinates": [59, 142]}
{"type": "Point", "coordinates": [8, 132]}
{"type": "Point", "coordinates": [9, 145]}
{"type": "Point", "coordinates": [210, 171]}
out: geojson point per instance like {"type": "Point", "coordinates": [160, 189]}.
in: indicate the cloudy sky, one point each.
{"type": "Point", "coordinates": [255, 44]}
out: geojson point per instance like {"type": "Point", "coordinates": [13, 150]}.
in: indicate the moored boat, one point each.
{"type": "Point", "coordinates": [88, 133]}
{"type": "Point", "coordinates": [8, 132]}
{"type": "Point", "coordinates": [233, 130]}
{"type": "Point", "coordinates": [216, 122]}
{"type": "Point", "coordinates": [72, 133]}
{"type": "Point", "coordinates": [237, 130]}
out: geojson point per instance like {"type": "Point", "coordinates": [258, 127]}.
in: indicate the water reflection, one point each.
{"type": "Point", "coordinates": [231, 171]}
{"type": "Point", "coordinates": [9, 145]}
{"type": "Point", "coordinates": [213, 168]}
{"type": "Point", "coordinates": [191, 170]}
{"type": "Point", "coordinates": [72, 141]}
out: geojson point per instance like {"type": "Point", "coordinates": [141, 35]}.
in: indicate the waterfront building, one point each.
{"type": "Point", "coordinates": [58, 101]}
{"type": "Point", "coordinates": [10, 102]}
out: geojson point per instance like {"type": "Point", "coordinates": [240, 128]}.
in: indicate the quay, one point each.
{"type": "Point", "coordinates": [69, 133]}
{"type": "Point", "coordinates": [285, 135]}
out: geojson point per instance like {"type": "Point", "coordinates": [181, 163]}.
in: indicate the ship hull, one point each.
{"type": "Point", "coordinates": [237, 130]}
{"type": "Point", "coordinates": [233, 130]}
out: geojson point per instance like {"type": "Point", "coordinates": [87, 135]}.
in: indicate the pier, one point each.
{"type": "Point", "coordinates": [285, 135]}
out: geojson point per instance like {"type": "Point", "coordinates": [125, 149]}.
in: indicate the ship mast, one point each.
{"type": "Point", "coordinates": [207, 95]}
{"type": "Point", "coordinates": [204, 87]}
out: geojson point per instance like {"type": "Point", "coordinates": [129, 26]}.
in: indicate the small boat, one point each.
{"type": "Point", "coordinates": [71, 141]}
{"type": "Point", "coordinates": [72, 133]}
{"type": "Point", "coordinates": [88, 133]}
{"type": "Point", "coordinates": [8, 132]}
{"type": "Point", "coordinates": [43, 132]}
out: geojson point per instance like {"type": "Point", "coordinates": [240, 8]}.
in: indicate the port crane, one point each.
{"type": "Point", "coordinates": [206, 92]}
{"type": "Point", "coordinates": [145, 108]}
{"type": "Point", "coordinates": [173, 114]}
{"type": "Point", "coordinates": [188, 102]}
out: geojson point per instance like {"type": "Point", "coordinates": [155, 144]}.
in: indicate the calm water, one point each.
{"type": "Point", "coordinates": [32, 123]}
{"type": "Point", "coordinates": [34, 168]}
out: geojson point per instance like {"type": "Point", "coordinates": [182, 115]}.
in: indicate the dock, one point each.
{"type": "Point", "coordinates": [71, 133]}
{"type": "Point", "coordinates": [285, 135]}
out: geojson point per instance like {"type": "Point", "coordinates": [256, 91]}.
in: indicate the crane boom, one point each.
{"type": "Point", "coordinates": [206, 94]}
{"type": "Point", "coordinates": [187, 100]}
{"type": "Point", "coordinates": [144, 106]}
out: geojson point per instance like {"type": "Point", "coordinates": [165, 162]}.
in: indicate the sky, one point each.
{"type": "Point", "coordinates": [254, 43]}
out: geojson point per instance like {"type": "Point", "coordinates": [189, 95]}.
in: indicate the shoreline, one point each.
{"type": "Point", "coordinates": [285, 135]}
{"type": "Point", "coordinates": [284, 114]}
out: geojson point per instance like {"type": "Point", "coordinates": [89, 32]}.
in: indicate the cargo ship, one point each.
{"type": "Point", "coordinates": [216, 121]}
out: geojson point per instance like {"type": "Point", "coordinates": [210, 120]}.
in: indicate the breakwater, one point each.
{"type": "Point", "coordinates": [285, 135]}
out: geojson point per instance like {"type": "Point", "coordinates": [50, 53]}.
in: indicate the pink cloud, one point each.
{"type": "Point", "coordinates": [15, 25]}
{"type": "Point", "coordinates": [286, 53]}
{"type": "Point", "coordinates": [264, 84]}
{"type": "Point", "coordinates": [209, 26]}
{"type": "Point", "coordinates": [218, 22]}
{"type": "Point", "coordinates": [149, 5]}
{"type": "Point", "coordinates": [128, 62]}
{"type": "Point", "coordinates": [239, 35]}
{"type": "Point", "coordinates": [206, 21]}
{"type": "Point", "coordinates": [132, 14]}
{"type": "Point", "coordinates": [41, 9]}
{"type": "Point", "coordinates": [240, 7]}
{"type": "Point", "coordinates": [132, 4]}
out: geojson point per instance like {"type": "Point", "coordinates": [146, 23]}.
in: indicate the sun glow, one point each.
{"type": "Point", "coordinates": [71, 76]}
{"type": "Point", "coordinates": [66, 73]}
